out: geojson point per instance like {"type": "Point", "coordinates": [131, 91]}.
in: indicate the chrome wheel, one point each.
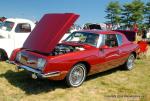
{"type": "Point", "coordinates": [77, 75]}
{"type": "Point", "coordinates": [130, 62]}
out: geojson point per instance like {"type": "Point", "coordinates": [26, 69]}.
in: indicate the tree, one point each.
{"type": "Point", "coordinates": [126, 14]}
{"type": "Point", "coordinates": [133, 12]}
{"type": "Point", "coordinates": [113, 11]}
{"type": "Point", "coordinates": [137, 11]}
{"type": "Point", "coordinates": [147, 14]}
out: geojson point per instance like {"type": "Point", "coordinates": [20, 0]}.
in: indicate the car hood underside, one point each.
{"type": "Point", "coordinates": [49, 31]}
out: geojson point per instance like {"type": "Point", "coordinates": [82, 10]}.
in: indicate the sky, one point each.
{"type": "Point", "coordinates": [89, 10]}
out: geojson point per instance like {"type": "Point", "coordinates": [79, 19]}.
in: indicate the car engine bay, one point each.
{"type": "Point", "coordinates": [63, 49]}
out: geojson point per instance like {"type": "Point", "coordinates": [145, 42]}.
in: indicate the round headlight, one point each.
{"type": "Point", "coordinates": [41, 62]}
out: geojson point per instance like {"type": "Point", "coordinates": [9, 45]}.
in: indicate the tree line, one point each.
{"type": "Point", "coordinates": [128, 14]}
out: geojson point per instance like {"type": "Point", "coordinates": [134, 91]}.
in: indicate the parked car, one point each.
{"type": "Point", "coordinates": [13, 33]}
{"type": "Point", "coordinates": [130, 34]}
{"type": "Point", "coordinates": [148, 33]}
{"type": "Point", "coordinates": [81, 54]}
{"type": "Point", "coordinates": [91, 26]}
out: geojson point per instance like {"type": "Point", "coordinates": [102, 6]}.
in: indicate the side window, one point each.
{"type": "Point", "coordinates": [111, 40]}
{"type": "Point", "coordinates": [119, 38]}
{"type": "Point", "coordinates": [23, 28]}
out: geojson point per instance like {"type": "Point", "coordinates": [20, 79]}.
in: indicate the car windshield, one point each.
{"type": "Point", "coordinates": [83, 38]}
{"type": "Point", "coordinates": [7, 26]}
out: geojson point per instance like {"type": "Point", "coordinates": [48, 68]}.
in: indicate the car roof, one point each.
{"type": "Point", "coordinates": [104, 32]}
{"type": "Point", "coordinates": [19, 20]}
{"type": "Point", "coordinates": [100, 31]}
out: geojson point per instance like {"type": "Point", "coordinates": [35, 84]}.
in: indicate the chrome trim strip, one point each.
{"type": "Point", "coordinates": [29, 69]}
{"type": "Point", "coordinates": [51, 74]}
{"type": "Point", "coordinates": [39, 73]}
{"type": "Point", "coordinates": [36, 72]}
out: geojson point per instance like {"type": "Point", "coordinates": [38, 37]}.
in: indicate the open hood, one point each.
{"type": "Point", "coordinates": [47, 33]}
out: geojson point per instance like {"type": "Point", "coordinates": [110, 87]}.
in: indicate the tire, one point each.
{"type": "Point", "coordinates": [3, 55]}
{"type": "Point", "coordinates": [76, 75]}
{"type": "Point", "coordinates": [129, 64]}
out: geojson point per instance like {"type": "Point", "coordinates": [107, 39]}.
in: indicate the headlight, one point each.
{"type": "Point", "coordinates": [18, 57]}
{"type": "Point", "coordinates": [41, 62]}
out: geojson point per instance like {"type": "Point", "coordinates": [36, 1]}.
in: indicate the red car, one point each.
{"type": "Point", "coordinates": [81, 54]}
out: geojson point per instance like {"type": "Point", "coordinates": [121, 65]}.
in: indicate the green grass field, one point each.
{"type": "Point", "coordinates": [112, 85]}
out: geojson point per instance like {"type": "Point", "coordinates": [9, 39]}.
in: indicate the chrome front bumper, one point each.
{"type": "Point", "coordinates": [35, 73]}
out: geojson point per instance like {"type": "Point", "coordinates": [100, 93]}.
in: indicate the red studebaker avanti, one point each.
{"type": "Point", "coordinates": [81, 54]}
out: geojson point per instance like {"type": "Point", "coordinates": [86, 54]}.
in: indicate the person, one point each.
{"type": "Point", "coordinates": [135, 29]}
{"type": "Point", "coordinates": [144, 32]}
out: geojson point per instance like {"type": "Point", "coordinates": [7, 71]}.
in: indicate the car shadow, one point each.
{"type": "Point", "coordinates": [101, 74]}
{"type": "Point", "coordinates": [31, 86]}
{"type": "Point", "coordinates": [24, 81]}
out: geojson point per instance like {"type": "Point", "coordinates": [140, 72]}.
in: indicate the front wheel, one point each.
{"type": "Point", "coordinates": [129, 64]}
{"type": "Point", "coordinates": [3, 55]}
{"type": "Point", "coordinates": [76, 76]}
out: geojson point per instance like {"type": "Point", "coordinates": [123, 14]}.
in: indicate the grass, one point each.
{"type": "Point", "coordinates": [112, 85]}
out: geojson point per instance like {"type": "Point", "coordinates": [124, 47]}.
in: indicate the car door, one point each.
{"type": "Point", "coordinates": [22, 31]}
{"type": "Point", "coordinates": [123, 49]}
{"type": "Point", "coordinates": [112, 52]}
